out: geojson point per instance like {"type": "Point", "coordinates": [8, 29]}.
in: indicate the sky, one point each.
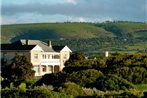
{"type": "Point", "coordinates": [45, 11]}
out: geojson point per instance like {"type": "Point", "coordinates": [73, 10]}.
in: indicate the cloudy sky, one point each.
{"type": "Point", "coordinates": [36, 11]}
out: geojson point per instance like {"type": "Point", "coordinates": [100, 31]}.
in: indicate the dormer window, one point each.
{"type": "Point", "coordinates": [35, 56]}
{"type": "Point", "coordinates": [65, 56]}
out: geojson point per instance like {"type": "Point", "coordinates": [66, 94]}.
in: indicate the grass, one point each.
{"type": "Point", "coordinates": [131, 26]}
{"type": "Point", "coordinates": [53, 30]}
{"type": "Point", "coordinates": [68, 30]}
{"type": "Point", "coordinates": [138, 46]}
{"type": "Point", "coordinates": [141, 87]}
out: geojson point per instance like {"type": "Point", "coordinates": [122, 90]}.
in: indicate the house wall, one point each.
{"type": "Point", "coordinates": [51, 64]}
{"type": "Point", "coordinates": [64, 56]}
{"type": "Point", "coordinates": [35, 57]}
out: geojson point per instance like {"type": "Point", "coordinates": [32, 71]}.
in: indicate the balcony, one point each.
{"type": "Point", "coordinates": [50, 62]}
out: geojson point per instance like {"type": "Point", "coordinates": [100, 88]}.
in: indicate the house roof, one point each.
{"type": "Point", "coordinates": [43, 45]}
{"type": "Point", "coordinates": [16, 47]}
{"type": "Point", "coordinates": [29, 45]}
{"type": "Point", "coordinates": [58, 48]}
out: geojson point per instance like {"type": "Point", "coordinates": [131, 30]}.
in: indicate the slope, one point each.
{"type": "Point", "coordinates": [52, 31]}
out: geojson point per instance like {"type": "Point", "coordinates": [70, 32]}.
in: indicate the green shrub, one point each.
{"type": "Point", "coordinates": [10, 93]}
{"type": "Point", "coordinates": [22, 87]}
{"type": "Point", "coordinates": [85, 77]}
{"type": "Point", "coordinates": [112, 82]}
{"type": "Point", "coordinates": [71, 89]}
{"type": "Point", "coordinates": [93, 92]}
{"type": "Point", "coordinates": [29, 83]}
{"type": "Point", "coordinates": [135, 75]}
{"type": "Point", "coordinates": [12, 85]}
{"type": "Point", "coordinates": [44, 87]}
{"type": "Point", "coordinates": [32, 93]}
{"type": "Point", "coordinates": [133, 93]}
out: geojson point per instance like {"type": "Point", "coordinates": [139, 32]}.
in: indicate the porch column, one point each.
{"type": "Point", "coordinates": [40, 70]}
{"type": "Point", "coordinates": [47, 69]}
{"type": "Point", "coordinates": [53, 69]}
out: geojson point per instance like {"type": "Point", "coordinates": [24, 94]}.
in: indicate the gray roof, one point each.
{"type": "Point", "coordinates": [16, 47]}
{"type": "Point", "coordinates": [43, 45]}
{"type": "Point", "coordinates": [58, 48]}
{"type": "Point", "coordinates": [30, 44]}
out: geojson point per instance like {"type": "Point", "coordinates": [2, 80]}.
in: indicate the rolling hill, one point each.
{"type": "Point", "coordinates": [92, 37]}
{"type": "Point", "coordinates": [52, 31]}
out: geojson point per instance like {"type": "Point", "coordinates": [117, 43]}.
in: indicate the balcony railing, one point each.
{"type": "Point", "coordinates": [50, 61]}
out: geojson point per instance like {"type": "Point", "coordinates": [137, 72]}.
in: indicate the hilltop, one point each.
{"type": "Point", "coordinates": [53, 31]}
{"type": "Point", "coordinates": [112, 36]}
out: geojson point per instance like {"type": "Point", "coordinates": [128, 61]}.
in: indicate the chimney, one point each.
{"type": "Point", "coordinates": [106, 54]}
{"type": "Point", "coordinates": [27, 42]}
{"type": "Point", "coordinates": [49, 43]}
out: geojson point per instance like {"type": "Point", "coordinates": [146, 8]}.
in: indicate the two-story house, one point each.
{"type": "Point", "coordinates": [44, 57]}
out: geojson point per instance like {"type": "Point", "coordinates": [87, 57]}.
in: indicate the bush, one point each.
{"type": "Point", "coordinates": [22, 87]}
{"type": "Point", "coordinates": [71, 89]}
{"type": "Point", "coordinates": [93, 92]}
{"type": "Point", "coordinates": [133, 93]}
{"type": "Point", "coordinates": [85, 77]}
{"type": "Point", "coordinates": [135, 75]}
{"type": "Point", "coordinates": [32, 93]}
{"type": "Point", "coordinates": [54, 79]}
{"type": "Point", "coordinates": [112, 82]}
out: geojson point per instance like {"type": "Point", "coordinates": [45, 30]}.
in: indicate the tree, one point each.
{"type": "Point", "coordinates": [18, 70]}
{"type": "Point", "coordinates": [85, 77]}
{"type": "Point", "coordinates": [112, 82]}
{"type": "Point", "coordinates": [76, 60]}
{"type": "Point", "coordinates": [71, 88]}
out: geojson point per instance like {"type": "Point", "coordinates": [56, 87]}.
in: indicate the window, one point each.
{"type": "Point", "coordinates": [48, 56]}
{"type": "Point", "coordinates": [44, 56]}
{"type": "Point", "coordinates": [35, 56]}
{"type": "Point", "coordinates": [43, 68]}
{"type": "Point", "coordinates": [56, 57]}
{"type": "Point", "coordinates": [65, 56]}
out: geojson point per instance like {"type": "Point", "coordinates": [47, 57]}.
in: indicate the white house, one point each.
{"type": "Point", "coordinates": [44, 57]}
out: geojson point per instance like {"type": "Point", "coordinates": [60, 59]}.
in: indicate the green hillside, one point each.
{"type": "Point", "coordinates": [52, 30]}
{"type": "Point", "coordinates": [84, 37]}
{"type": "Point", "coordinates": [72, 30]}
{"type": "Point", "coordinates": [126, 28]}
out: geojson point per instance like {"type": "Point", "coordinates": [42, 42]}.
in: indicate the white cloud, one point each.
{"type": "Point", "coordinates": [82, 19]}
{"type": "Point", "coordinates": [74, 2]}
{"type": "Point", "coordinates": [5, 20]}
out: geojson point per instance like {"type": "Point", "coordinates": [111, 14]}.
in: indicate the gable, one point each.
{"type": "Point", "coordinates": [66, 49]}
{"type": "Point", "coordinates": [38, 48]}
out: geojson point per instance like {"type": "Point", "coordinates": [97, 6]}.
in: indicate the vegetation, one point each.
{"type": "Point", "coordinates": [32, 93]}
{"type": "Point", "coordinates": [122, 37]}
{"type": "Point", "coordinates": [122, 74]}
{"type": "Point", "coordinates": [72, 89]}
{"type": "Point", "coordinates": [115, 76]}
{"type": "Point", "coordinates": [18, 70]}
{"type": "Point", "coordinates": [141, 87]}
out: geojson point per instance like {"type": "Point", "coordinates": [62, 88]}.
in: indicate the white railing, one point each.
{"type": "Point", "coordinates": [50, 62]}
